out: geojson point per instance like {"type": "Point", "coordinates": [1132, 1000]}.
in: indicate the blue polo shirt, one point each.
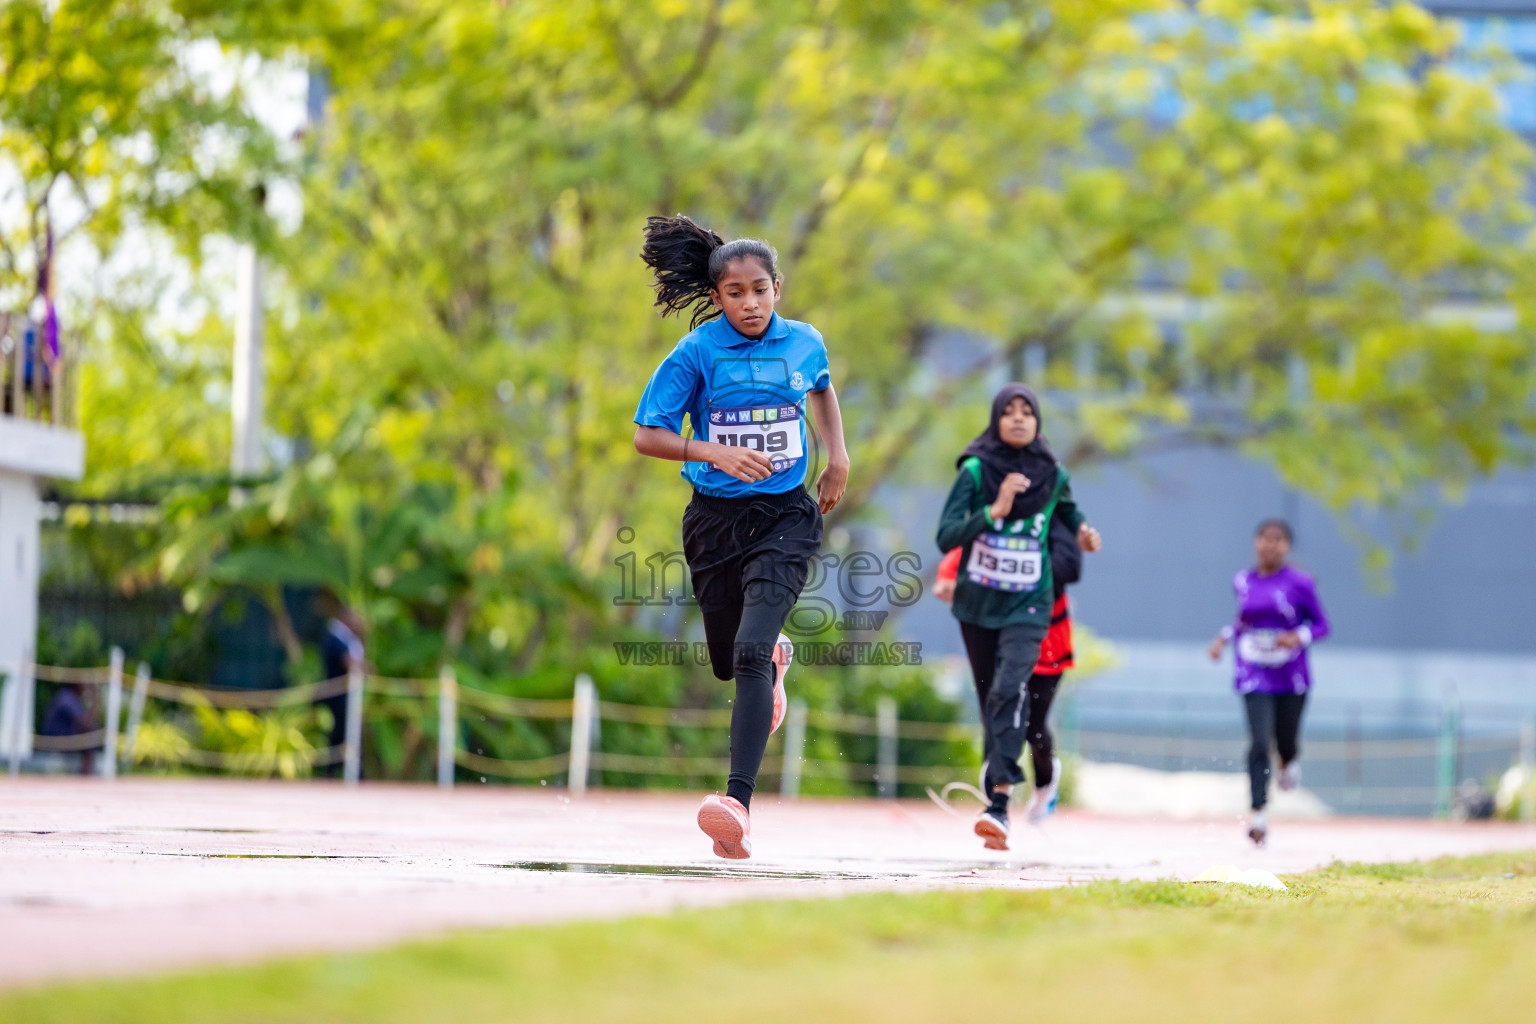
{"type": "Point", "coordinates": [741, 392]}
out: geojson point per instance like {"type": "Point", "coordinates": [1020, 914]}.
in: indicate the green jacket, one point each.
{"type": "Point", "coordinates": [967, 517]}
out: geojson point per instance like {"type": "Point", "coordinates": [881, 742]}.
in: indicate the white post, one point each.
{"type": "Point", "coordinates": [1528, 762]}
{"type": "Point", "coordinates": [29, 453]}
{"type": "Point", "coordinates": [247, 398]}
{"type": "Point", "coordinates": [135, 714]}
{"type": "Point", "coordinates": [114, 714]}
{"type": "Point", "coordinates": [885, 725]}
{"type": "Point", "coordinates": [352, 754]}
{"type": "Point", "coordinates": [794, 749]}
{"type": "Point", "coordinates": [583, 707]}
{"type": "Point", "coordinates": [11, 732]}
{"type": "Point", "coordinates": [447, 724]}
{"type": "Point", "coordinates": [17, 711]}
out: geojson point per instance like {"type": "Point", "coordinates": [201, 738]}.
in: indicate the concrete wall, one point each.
{"type": "Point", "coordinates": [29, 452]}
{"type": "Point", "coordinates": [18, 603]}
{"type": "Point", "coordinates": [1178, 526]}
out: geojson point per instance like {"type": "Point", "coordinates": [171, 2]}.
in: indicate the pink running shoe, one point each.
{"type": "Point", "coordinates": [993, 829]}
{"type": "Point", "coordinates": [783, 654]}
{"type": "Point", "coordinates": [724, 820]}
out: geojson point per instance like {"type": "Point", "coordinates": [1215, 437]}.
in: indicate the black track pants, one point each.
{"type": "Point", "coordinates": [1002, 660]}
{"type": "Point", "coordinates": [1272, 717]}
{"type": "Point", "coordinates": [1042, 691]}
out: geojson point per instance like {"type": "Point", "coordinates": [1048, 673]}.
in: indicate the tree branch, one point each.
{"type": "Point", "coordinates": [654, 97]}
{"type": "Point", "coordinates": [899, 445]}
{"type": "Point", "coordinates": [882, 121]}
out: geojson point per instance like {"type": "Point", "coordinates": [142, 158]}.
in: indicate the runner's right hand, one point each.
{"type": "Point", "coordinates": [745, 464]}
{"type": "Point", "coordinates": [1013, 484]}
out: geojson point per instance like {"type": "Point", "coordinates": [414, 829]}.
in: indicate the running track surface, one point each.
{"type": "Point", "coordinates": [148, 875]}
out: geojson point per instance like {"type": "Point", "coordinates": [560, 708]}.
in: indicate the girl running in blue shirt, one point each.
{"type": "Point", "coordinates": [742, 376]}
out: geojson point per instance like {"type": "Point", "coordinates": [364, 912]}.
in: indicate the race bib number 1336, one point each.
{"type": "Point", "coordinates": [1005, 562]}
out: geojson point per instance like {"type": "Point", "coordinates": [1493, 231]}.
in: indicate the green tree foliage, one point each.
{"type": "Point", "coordinates": [462, 327]}
{"type": "Point", "coordinates": [113, 138]}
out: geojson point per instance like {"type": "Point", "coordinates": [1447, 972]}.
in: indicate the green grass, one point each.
{"type": "Point", "coordinates": [1452, 940]}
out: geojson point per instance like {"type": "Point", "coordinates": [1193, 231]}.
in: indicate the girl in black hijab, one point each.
{"type": "Point", "coordinates": [1008, 490]}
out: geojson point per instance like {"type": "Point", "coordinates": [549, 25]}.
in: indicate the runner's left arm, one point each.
{"type": "Point", "coordinates": [1314, 621]}
{"type": "Point", "coordinates": [1066, 509]}
{"type": "Point", "coordinates": [829, 420]}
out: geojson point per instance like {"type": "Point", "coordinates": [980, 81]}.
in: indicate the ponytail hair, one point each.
{"type": "Point", "coordinates": [689, 260]}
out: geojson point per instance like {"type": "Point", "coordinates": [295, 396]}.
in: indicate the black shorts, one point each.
{"type": "Point", "coordinates": [729, 542]}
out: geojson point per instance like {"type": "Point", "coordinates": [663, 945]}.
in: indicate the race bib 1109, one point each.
{"type": "Point", "coordinates": [773, 430]}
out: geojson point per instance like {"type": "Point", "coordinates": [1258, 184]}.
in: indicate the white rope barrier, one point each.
{"type": "Point", "coordinates": [219, 697]}
{"type": "Point", "coordinates": [532, 768]}
{"type": "Point", "coordinates": [82, 676]}
{"type": "Point", "coordinates": [93, 740]}
{"type": "Point", "coordinates": [248, 761]}
{"type": "Point", "coordinates": [450, 697]}
{"type": "Point", "coordinates": [646, 764]}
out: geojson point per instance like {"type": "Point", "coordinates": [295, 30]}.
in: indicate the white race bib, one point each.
{"type": "Point", "coordinates": [1005, 562]}
{"type": "Point", "coordinates": [1261, 647]}
{"type": "Point", "coordinates": [773, 430]}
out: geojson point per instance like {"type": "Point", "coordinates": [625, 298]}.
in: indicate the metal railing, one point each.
{"type": "Point", "coordinates": [586, 711]}
{"type": "Point", "coordinates": [32, 379]}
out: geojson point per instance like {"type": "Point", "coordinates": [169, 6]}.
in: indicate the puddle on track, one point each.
{"type": "Point", "coordinates": [262, 856]}
{"type": "Point", "coordinates": [692, 871]}
{"type": "Point", "coordinates": [132, 831]}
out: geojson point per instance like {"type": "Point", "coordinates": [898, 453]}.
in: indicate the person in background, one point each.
{"type": "Point", "coordinates": [66, 715]}
{"type": "Point", "coordinates": [1055, 658]}
{"type": "Point", "coordinates": [1278, 617]}
{"type": "Point", "coordinates": [341, 651]}
{"type": "Point", "coordinates": [1008, 489]}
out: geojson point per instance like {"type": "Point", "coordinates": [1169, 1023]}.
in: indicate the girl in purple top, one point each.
{"type": "Point", "coordinates": [1278, 618]}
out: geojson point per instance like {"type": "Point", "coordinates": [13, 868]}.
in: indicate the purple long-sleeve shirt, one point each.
{"type": "Point", "coordinates": [1266, 607]}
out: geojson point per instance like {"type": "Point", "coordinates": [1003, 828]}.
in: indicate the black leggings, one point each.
{"type": "Point", "coordinates": [1277, 717]}
{"type": "Point", "coordinates": [1002, 661]}
{"type": "Point", "coordinates": [1042, 691]}
{"type": "Point", "coordinates": [741, 639]}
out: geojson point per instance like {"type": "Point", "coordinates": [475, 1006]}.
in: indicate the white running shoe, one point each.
{"type": "Point", "coordinates": [783, 654]}
{"type": "Point", "coordinates": [993, 827]}
{"type": "Point", "coordinates": [1258, 828]}
{"type": "Point", "coordinates": [724, 820]}
{"type": "Point", "coordinates": [1290, 775]}
{"type": "Point", "coordinates": [1042, 802]}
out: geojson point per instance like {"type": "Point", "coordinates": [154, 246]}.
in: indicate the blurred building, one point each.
{"type": "Point", "coordinates": [1440, 642]}
{"type": "Point", "coordinates": [1509, 25]}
